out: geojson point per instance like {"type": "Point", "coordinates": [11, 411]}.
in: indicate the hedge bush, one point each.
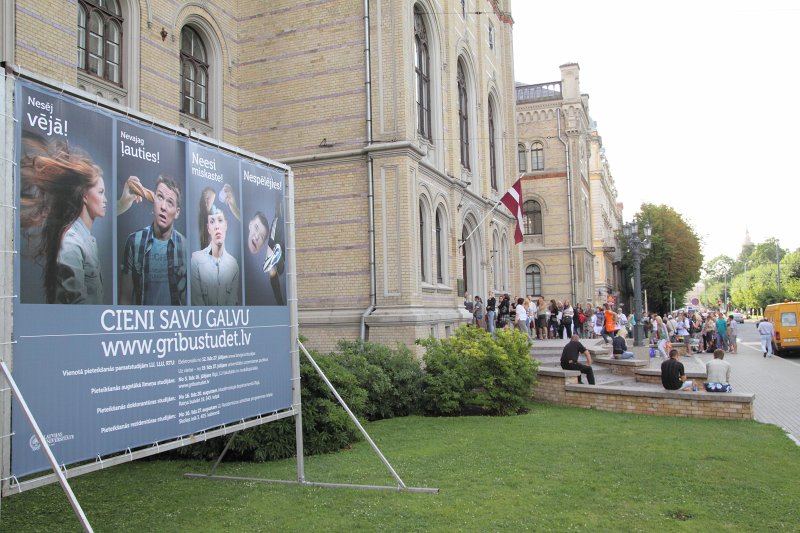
{"type": "Point", "coordinates": [326, 426]}
{"type": "Point", "coordinates": [392, 377]}
{"type": "Point", "coordinates": [471, 369]}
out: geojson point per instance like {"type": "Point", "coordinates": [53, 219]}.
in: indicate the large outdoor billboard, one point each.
{"type": "Point", "coordinates": [151, 283]}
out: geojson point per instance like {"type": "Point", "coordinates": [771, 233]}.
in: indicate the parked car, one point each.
{"type": "Point", "coordinates": [738, 317]}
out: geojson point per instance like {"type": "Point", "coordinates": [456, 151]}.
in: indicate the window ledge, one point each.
{"type": "Point", "coordinates": [436, 287]}
{"type": "Point", "coordinates": [533, 239]}
{"type": "Point", "coordinates": [102, 88]}
{"type": "Point", "coordinates": [195, 124]}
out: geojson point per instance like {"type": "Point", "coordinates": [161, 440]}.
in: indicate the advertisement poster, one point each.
{"type": "Point", "coordinates": [150, 233]}
{"type": "Point", "coordinates": [265, 256]}
{"type": "Point", "coordinates": [215, 239]}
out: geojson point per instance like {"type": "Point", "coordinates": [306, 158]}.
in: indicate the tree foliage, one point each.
{"type": "Point", "coordinates": [674, 260]}
{"type": "Point", "coordinates": [754, 277]}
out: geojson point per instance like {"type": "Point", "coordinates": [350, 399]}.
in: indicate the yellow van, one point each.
{"type": "Point", "coordinates": [784, 318]}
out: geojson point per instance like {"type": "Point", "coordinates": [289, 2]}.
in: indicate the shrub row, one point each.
{"type": "Point", "coordinates": [468, 372]}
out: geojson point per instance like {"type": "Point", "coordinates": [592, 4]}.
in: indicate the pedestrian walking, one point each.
{"type": "Point", "coordinates": [767, 332]}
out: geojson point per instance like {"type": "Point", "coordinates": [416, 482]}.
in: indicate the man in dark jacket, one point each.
{"type": "Point", "coordinates": [569, 359]}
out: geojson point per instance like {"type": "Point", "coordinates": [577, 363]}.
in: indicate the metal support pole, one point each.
{"type": "Point", "coordinates": [353, 417]}
{"type": "Point", "coordinates": [62, 480]}
{"type": "Point", "coordinates": [221, 455]}
{"type": "Point", "coordinates": [778, 260]}
{"type": "Point", "coordinates": [636, 245]}
{"type": "Point", "coordinates": [638, 329]}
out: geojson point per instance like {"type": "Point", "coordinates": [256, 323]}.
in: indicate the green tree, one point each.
{"type": "Point", "coordinates": [674, 261]}
{"type": "Point", "coordinates": [717, 269]}
{"type": "Point", "coordinates": [766, 253]}
{"type": "Point", "coordinates": [756, 286]}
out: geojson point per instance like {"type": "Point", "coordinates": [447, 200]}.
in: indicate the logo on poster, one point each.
{"type": "Point", "coordinates": [52, 439]}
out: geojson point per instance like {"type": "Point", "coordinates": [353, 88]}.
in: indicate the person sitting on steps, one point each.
{"type": "Point", "coordinates": [569, 359]}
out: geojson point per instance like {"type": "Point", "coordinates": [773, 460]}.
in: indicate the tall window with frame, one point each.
{"type": "Point", "coordinates": [533, 280]}
{"type": "Point", "coordinates": [532, 217]}
{"type": "Point", "coordinates": [492, 149]}
{"type": "Point", "coordinates": [537, 156]}
{"type": "Point", "coordinates": [439, 249]}
{"type": "Point", "coordinates": [100, 39]}
{"type": "Point", "coordinates": [194, 74]}
{"type": "Point", "coordinates": [522, 157]}
{"type": "Point", "coordinates": [463, 116]}
{"type": "Point", "coordinates": [422, 75]}
{"type": "Point", "coordinates": [423, 263]}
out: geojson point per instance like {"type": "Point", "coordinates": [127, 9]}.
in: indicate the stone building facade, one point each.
{"type": "Point", "coordinates": [553, 151]}
{"type": "Point", "coordinates": [606, 224]}
{"type": "Point", "coordinates": [396, 116]}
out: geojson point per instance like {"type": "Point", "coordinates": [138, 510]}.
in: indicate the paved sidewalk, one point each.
{"type": "Point", "coordinates": [774, 381]}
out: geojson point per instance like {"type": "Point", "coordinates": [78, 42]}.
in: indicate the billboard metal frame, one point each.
{"type": "Point", "coordinates": [401, 486]}
{"type": "Point", "coordinates": [8, 248]}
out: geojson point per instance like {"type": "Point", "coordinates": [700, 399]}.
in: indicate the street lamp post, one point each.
{"type": "Point", "coordinates": [639, 248]}
{"type": "Point", "coordinates": [778, 260]}
{"type": "Point", "coordinates": [727, 276]}
{"type": "Point", "coordinates": [746, 286]}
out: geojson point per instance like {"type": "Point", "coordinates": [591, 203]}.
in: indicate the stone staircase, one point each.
{"type": "Point", "coordinates": [548, 354]}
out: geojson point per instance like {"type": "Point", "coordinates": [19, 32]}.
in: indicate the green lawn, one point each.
{"type": "Point", "coordinates": [554, 469]}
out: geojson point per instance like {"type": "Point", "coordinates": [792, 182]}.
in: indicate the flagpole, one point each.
{"type": "Point", "coordinates": [479, 224]}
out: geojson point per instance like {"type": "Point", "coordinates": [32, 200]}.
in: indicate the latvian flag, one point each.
{"type": "Point", "coordinates": [513, 201]}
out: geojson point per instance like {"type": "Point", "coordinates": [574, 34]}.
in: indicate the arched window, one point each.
{"type": "Point", "coordinates": [440, 252]}
{"type": "Point", "coordinates": [194, 74]}
{"type": "Point", "coordinates": [424, 225]}
{"type": "Point", "coordinates": [492, 148]}
{"type": "Point", "coordinates": [100, 39]}
{"type": "Point", "coordinates": [463, 116]}
{"type": "Point", "coordinates": [522, 156]}
{"type": "Point", "coordinates": [532, 218]}
{"type": "Point", "coordinates": [533, 280]}
{"type": "Point", "coordinates": [422, 75]}
{"type": "Point", "coordinates": [537, 156]}
{"type": "Point", "coordinates": [505, 262]}
{"type": "Point", "coordinates": [496, 262]}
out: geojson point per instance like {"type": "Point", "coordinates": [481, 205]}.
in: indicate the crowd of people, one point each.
{"type": "Point", "coordinates": [700, 332]}
{"type": "Point", "coordinates": [542, 320]}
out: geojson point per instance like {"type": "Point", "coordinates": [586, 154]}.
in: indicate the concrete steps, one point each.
{"type": "Point", "coordinates": [548, 354]}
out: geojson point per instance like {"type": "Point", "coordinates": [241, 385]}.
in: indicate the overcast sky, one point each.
{"type": "Point", "coordinates": [696, 102]}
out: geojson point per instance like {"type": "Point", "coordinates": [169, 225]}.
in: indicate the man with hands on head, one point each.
{"type": "Point", "coordinates": [154, 262]}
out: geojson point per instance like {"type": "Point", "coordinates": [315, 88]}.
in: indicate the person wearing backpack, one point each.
{"type": "Point", "coordinates": [580, 318]}
{"type": "Point", "coordinates": [567, 316]}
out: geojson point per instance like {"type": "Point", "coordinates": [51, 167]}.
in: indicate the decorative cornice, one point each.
{"type": "Point", "coordinates": [544, 176]}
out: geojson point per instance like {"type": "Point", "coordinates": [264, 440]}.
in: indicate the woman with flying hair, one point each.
{"type": "Point", "coordinates": [61, 195]}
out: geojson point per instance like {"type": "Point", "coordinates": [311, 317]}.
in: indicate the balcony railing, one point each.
{"type": "Point", "coordinates": [539, 92]}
